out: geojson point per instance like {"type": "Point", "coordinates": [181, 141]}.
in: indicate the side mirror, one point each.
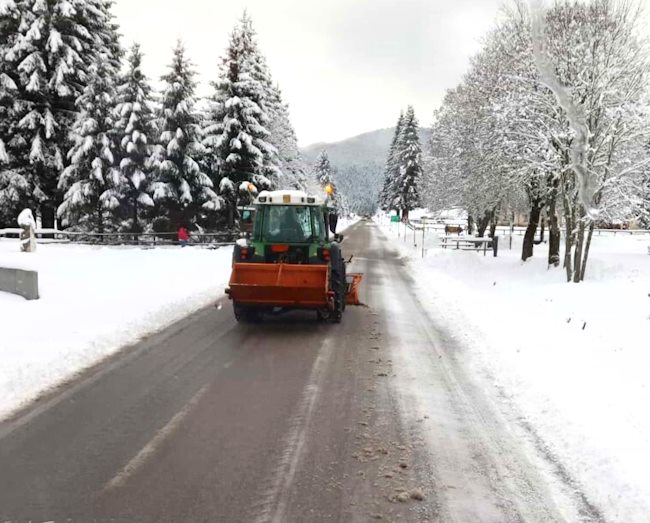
{"type": "Point", "coordinates": [333, 220]}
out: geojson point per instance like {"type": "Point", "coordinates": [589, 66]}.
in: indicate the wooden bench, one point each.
{"type": "Point", "coordinates": [464, 243]}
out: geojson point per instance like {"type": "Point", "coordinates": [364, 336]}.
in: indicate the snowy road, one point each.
{"type": "Point", "coordinates": [289, 420]}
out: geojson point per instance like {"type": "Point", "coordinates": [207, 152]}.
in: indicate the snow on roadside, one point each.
{"type": "Point", "coordinates": [94, 300]}
{"type": "Point", "coordinates": [345, 222]}
{"type": "Point", "coordinates": [573, 358]}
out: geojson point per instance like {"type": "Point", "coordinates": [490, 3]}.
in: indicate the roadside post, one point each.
{"type": "Point", "coordinates": [423, 229]}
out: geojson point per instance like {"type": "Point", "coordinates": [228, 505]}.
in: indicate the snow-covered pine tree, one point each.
{"type": "Point", "coordinates": [91, 181]}
{"type": "Point", "coordinates": [409, 156]}
{"type": "Point", "coordinates": [236, 135]}
{"type": "Point", "coordinates": [181, 189]}
{"type": "Point", "coordinates": [322, 170]}
{"type": "Point", "coordinates": [388, 192]}
{"type": "Point", "coordinates": [270, 102]}
{"type": "Point", "coordinates": [135, 131]}
{"type": "Point", "coordinates": [323, 175]}
{"type": "Point", "coordinates": [291, 164]}
{"type": "Point", "coordinates": [14, 187]}
{"type": "Point", "coordinates": [55, 43]}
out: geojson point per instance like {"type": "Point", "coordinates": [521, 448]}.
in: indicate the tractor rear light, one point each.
{"type": "Point", "coordinates": [325, 254]}
{"type": "Point", "coordinates": [243, 253]}
{"type": "Point", "coordinates": [279, 248]}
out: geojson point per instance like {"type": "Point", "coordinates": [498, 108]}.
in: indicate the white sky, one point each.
{"type": "Point", "coordinates": [344, 66]}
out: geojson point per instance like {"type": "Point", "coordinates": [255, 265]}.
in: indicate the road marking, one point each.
{"type": "Point", "coordinates": [155, 443]}
{"type": "Point", "coordinates": [276, 498]}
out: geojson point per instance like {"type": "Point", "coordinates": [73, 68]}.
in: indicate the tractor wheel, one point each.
{"type": "Point", "coordinates": [245, 314]}
{"type": "Point", "coordinates": [338, 285]}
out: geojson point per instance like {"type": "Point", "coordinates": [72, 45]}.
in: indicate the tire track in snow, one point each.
{"type": "Point", "coordinates": [275, 499]}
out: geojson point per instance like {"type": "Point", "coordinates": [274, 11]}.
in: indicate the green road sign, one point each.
{"type": "Point", "coordinates": [394, 218]}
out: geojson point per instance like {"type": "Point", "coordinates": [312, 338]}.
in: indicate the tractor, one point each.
{"type": "Point", "coordinates": [291, 260]}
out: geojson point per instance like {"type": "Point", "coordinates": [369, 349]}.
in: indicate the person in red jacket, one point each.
{"type": "Point", "coordinates": [183, 236]}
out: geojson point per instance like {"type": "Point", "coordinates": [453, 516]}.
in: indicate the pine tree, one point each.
{"type": "Point", "coordinates": [91, 181]}
{"type": "Point", "coordinates": [283, 136]}
{"type": "Point", "coordinates": [181, 188]}
{"type": "Point", "coordinates": [391, 172]}
{"type": "Point", "coordinates": [408, 155]}
{"type": "Point", "coordinates": [51, 52]}
{"type": "Point", "coordinates": [322, 170]}
{"type": "Point", "coordinates": [14, 186]}
{"type": "Point", "coordinates": [135, 129]}
{"type": "Point", "coordinates": [236, 135]}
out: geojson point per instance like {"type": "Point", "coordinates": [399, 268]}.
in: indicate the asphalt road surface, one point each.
{"type": "Point", "coordinates": [376, 418]}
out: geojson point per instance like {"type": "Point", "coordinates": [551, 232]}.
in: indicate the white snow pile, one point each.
{"type": "Point", "coordinates": [574, 359]}
{"type": "Point", "coordinates": [94, 300]}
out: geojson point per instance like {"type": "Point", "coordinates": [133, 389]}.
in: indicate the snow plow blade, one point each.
{"type": "Point", "coordinates": [280, 285]}
{"type": "Point", "coordinates": [353, 284]}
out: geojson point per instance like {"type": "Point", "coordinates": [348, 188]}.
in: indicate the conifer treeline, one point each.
{"type": "Point", "coordinates": [84, 138]}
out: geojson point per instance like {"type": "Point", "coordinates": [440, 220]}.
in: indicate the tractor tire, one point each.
{"type": "Point", "coordinates": [245, 314]}
{"type": "Point", "coordinates": [337, 284]}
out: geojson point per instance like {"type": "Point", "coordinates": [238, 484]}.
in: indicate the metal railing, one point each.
{"type": "Point", "coordinates": [419, 228]}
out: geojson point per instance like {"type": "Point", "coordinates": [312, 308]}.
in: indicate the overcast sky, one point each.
{"type": "Point", "coordinates": [344, 66]}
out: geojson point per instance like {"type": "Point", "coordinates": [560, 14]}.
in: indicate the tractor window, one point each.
{"type": "Point", "coordinates": [286, 224]}
{"type": "Point", "coordinates": [319, 229]}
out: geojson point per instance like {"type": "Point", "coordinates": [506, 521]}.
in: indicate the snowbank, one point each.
{"type": "Point", "coordinates": [94, 300]}
{"type": "Point", "coordinates": [574, 359]}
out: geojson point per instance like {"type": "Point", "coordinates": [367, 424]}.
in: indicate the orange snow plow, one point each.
{"type": "Point", "coordinates": [353, 284]}
{"type": "Point", "coordinates": [280, 285]}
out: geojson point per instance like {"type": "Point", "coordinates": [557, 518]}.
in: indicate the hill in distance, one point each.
{"type": "Point", "coordinates": [367, 148]}
{"type": "Point", "coordinates": [358, 164]}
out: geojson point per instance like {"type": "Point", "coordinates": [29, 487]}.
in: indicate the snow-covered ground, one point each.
{"type": "Point", "coordinates": [94, 301]}
{"type": "Point", "coordinates": [573, 359]}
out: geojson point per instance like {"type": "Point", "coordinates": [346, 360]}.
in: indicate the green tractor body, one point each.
{"type": "Point", "coordinates": [291, 260]}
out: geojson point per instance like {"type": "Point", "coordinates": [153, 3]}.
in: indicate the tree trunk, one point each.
{"type": "Point", "coordinates": [554, 236]}
{"type": "Point", "coordinates": [577, 258]}
{"type": "Point", "coordinates": [529, 236]}
{"type": "Point", "coordinates": [482, 224]}
{"type": "Point", "coordinates": [493, 222]}
{"type": "Point", "coordinates": [134, 225]}
{"type": "Point", "coordinates": [569, 222]}
{"type": "Point", "coordinates": [542, 224]}
{"type": "Point", "coordinates": [579, 244]}
{"type": "Point", "coordinates": [48, 214]}
{"type": "Point", "coordinates": [99, 214]}
{"type": "Point", "coordinates": [470, 224]}
{"type": "Point", "coordinates": [585, 256]}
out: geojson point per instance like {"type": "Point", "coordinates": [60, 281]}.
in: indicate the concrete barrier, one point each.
{"type": "Point", "coordinates": [18, 281]}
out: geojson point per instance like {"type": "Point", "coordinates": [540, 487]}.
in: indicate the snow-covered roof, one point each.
{"type": "Point", "coordinates": [288, 197]}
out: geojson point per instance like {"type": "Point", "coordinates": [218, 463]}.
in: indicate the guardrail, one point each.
{"type": "Point", "coordinates": [123, 238]}
{"type": "Point", "coordinates": [18, 281]}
